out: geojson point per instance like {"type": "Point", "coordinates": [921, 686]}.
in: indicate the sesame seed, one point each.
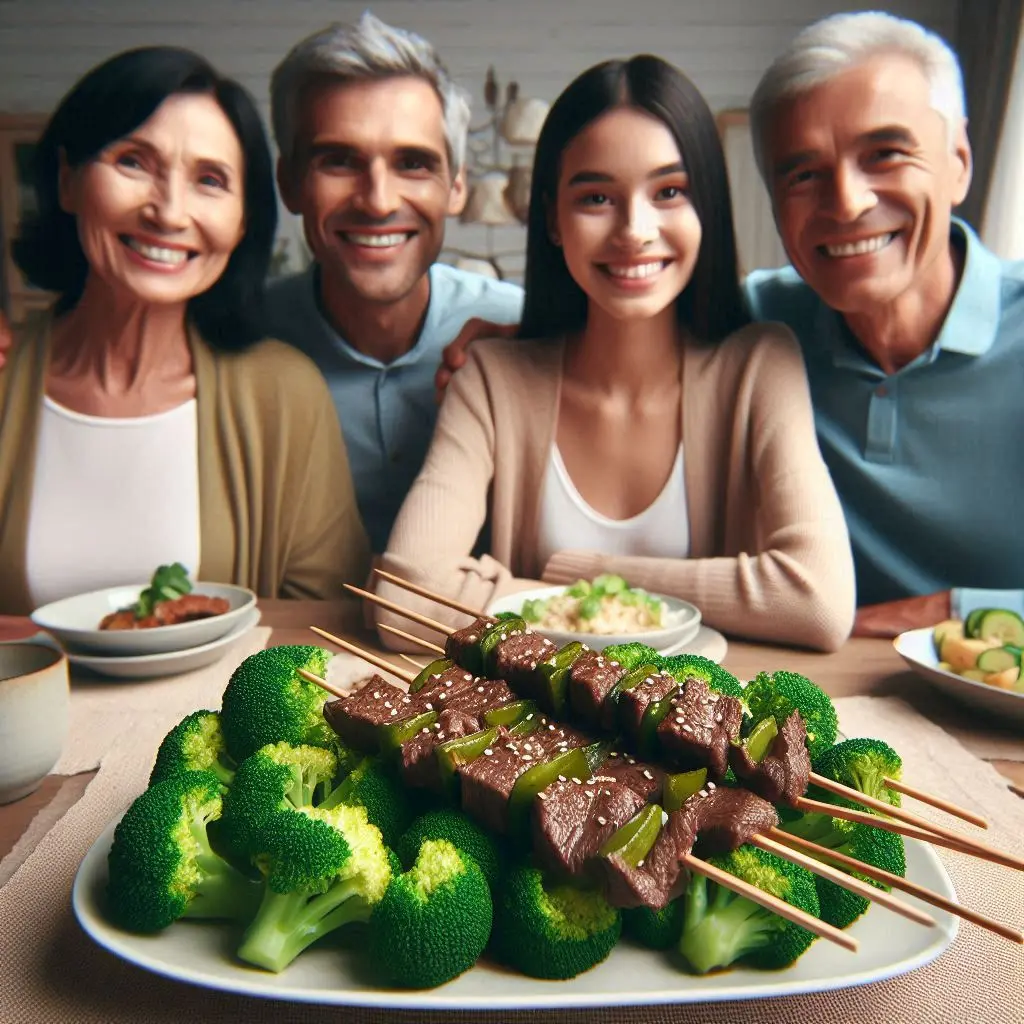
{"type": "Point", "coordinates": [527, 746]}
{"type": "Point", "coordinates": [429, 707]}
{"type": "Point", "coordinates": [425, 729]}
{"type": "Point", "coordinates": [468, 677]}
{"type": "Point", "coordinates": [703, 793]}
{"type": "Point", "coordinates": [561, 778]}
{"type": "Point", "coordinates": [640, 863]}
{"type": "Point", "coordinates": [479, 689]}
{"type": "Point", "coordinates": [542, 796]}
{"type": "Point", "coordinates": [387, 703]}
{"type": "Point", "coordinates": [376, 694]}
{"type": "Point", "coordinates": [614, 753]}
{"type": "Point", "coordinates": [442, 695]}
{"type": "Point", "coordinates": [647, 774]}
{"type": "Point", "coordinates": [711, 785]}
{"type": "Point", "coordinates": [590, 793]}
{"type": "Point", "coordinates": [527, 757]}
{"type": "Point", "coordinates": [687, 727]}
{"type": "Point", "coordinates": [394, 711]}
{"type": "Point", "coordinates": [602, 820]}
{"type": "Point", "coordinates": [577, 781]}
{"type": "Point", "coordinates": [614, 664]}
{"type": "Point", "coordinates": [488, 752]}
{"type": "Point", "coordinates": [406, 699]}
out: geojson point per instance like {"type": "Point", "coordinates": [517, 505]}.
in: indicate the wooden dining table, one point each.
{"type": "Point", "coordinates": [861, 667]}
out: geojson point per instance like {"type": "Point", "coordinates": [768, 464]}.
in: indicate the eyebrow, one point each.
{"type": "Point", "coordinates": [888, 133]}
{"type": "Point", "coordinates": [429, 156]}
{"type": "Point", "coordinates": [597, 177]}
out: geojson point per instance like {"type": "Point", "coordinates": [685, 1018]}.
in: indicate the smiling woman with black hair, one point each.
{"type": "Point", "coordinates": [642, 425]}
{"type": "Point", "coordinates": [142, 419]}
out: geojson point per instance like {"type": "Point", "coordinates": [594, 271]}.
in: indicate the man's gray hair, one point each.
{"type": "Point", "coordinates": [839, 42]}
{"type": "Point", "coordinates": [369, 49]}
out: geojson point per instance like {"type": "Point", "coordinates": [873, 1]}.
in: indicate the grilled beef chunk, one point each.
{"type": "Point", "coordinates": [358, 717]}
{"type": "Point", "coordinates": [516, 659]}
{"type": "Point", "coordinates": [487, 781]}
{"type": "Point", "coordinates": [465, 639]}
{"type": "Point", "coordinates": [641, 777]}
{"type": "Point", "coordinates": [483, 695]}
{"type": "Point", "coordinates": [699, 729]}
{"type": "Point", "coordinates": [444, 688]}
{"type": "Point", "coordinates": [725, 818]}
{"type": "Point", "coordinates": [632, 703]}
{"type": "Point", "coordinates": [781, 776]}
{"type": "Point", "coordinates": [590, 678]}
{"type": "Point", "coordinates": [419, 766]}
{"type": "Point", "coordinates": [572, 818]}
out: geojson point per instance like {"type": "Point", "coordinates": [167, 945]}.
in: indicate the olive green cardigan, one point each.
{"type": "Point", "coordinates": [276, 504]}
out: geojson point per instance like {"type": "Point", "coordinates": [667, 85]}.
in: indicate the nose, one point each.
{"type": "Point", "coordinates": [851, 193]}
{"type": "Point", "coordinates": [378, 196]}
{"type": "Point", "coordinates": [168, 207]}
{"type": "Point", "coordinates": [639, 227]}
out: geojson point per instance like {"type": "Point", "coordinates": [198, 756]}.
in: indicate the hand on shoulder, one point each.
{"type": "Point", "coordinates": [453, 358]}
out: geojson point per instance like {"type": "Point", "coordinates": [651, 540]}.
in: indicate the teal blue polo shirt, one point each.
{"type": "Point", "coordinates": [387, 410]}
{"type": "Point", "coordinates": [928, 461]}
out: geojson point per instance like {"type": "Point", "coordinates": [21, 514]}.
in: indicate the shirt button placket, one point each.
{"type": "Point", "coordinates": [881, 431]}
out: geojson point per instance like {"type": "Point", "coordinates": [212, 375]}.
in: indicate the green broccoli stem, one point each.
{"type": "Point", "coordinates": [223, 891]}
{"type": "Point", "coordinates": [222, 771]}
{"type": "Point", "coordinates": [816, 828]}
{"type": "Point", "coordinates": [288, 923]}
{"type": "Point", "coordinates": [720, 931]}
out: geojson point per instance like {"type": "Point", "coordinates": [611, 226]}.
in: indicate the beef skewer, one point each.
{"type": "Point", "coordinates": [457, 639]}
{"type": "Point", "coordinates": [538, 750]}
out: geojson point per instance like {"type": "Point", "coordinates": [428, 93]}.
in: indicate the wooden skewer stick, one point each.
{"type": "Point", "coordinates": [412, 661]}
{"type": "Point", "coordinates": [373, 659]}
{"type": "Point", "coordinates": [423, 620]}
{"type": "Point", "coordinates": [425, 644]}
{"type": "Point", "coordinates": [934, 801]}
{"type": "Point", "coordinates": [322, 683]}
{"type": "Point", "coordinates": [854, 885]}
{"type": "Point", "coordinates": [430, 595]}
{"type": "Point", "coordinates": [959, 845]}
{"type": "Point", "coordinates": [772, 903]}
{"type": "Point", "coordinates": [899, 882]}
{"type": "Point", "coordinates": [901, 815]}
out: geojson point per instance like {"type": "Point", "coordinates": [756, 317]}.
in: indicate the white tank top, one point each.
{"type": "Point", "coordinates": [568, 523]}
{"type": "Point", "coordinates": [112, 499]}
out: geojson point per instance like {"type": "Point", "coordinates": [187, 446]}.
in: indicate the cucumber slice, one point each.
{"type": "Point", "coordinates": [972, 620]}
{"type": "Point", "coordinates": [1001, 624]}
{"type": "Point", "coordinates": [998, 659]}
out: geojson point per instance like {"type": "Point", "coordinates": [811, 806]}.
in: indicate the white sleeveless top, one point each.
{"type": "Point", "coordinates": [568, 523]}
{"type": "Point", "coordinates": [112, 499]}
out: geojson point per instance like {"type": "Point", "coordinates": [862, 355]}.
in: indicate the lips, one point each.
{"type": "Point", "coordinates": [171, 256]}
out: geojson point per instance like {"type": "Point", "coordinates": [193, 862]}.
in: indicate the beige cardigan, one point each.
{"type": "Point", "coordinates": [770, 555]}
{"type": "Point", "coordinates": [276, 505]}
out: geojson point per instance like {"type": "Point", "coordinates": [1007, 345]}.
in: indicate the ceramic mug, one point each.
{"type": "Point", "coordinates": [34, 712]}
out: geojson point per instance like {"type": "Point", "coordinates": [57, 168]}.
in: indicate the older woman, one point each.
{"type": "Point", "coordinates": [142, 420]}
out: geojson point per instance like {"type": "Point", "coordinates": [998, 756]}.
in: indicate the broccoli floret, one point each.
{"type": "Point", "coordinates": [278, 777]}
{"type": "Point", "coordinates": [161, 865]}
{"type": "Point", "coordinates": [372, 785]}
{"type": "Point", "coordinates": [434, 921]}
{"type": "Point", "coordinates": [630, 655]}
{"type": "Point", "coordinates": [875, 846]}
{"type": "Point", "coordinates": [655, 929]}
{"type": "Point", "coordinates": [322, 869]}
{"type": "Point", "coordinates": [862, 764]}
{"type": "Point", "coordinates": [781, 693]}
{"type": "Point", "coordinates": [267, 701]}
{"type": "Point", "coordinates": [459, 830]}
{"type": "Point", "coordinates": [196, 743]}
{"type": "Point", "coordinates": [683, 666]}
{"type": "Point", "coordinates": [721, 928]}
{"type": "Point", "coordinates": [551, 931]}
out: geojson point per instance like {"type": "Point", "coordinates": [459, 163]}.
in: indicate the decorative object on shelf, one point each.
{"type": "Point", "coordinates": [499, 160]}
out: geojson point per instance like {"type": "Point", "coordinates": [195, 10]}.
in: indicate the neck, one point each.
{"type": "Point", "coordinates": [118, 345]}
{"type": "Point", "coordinates": [896, 333]}
{"type": "Point", "coordinates": [627, 358]}
{"type": "Point", "coordinates": [381, 330]}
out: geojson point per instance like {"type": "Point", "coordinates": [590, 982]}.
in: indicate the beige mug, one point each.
{"type": "Point", "coordinates": [34, 712]}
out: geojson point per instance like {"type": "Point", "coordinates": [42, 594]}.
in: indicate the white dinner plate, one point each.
{"type": "Point", "coordinates": [683, 622]}
{"type": "Point", "coordinates": [198, 953]}
{"type": "Point", "coordinates": [170, 663]}
{"type": "Point", "coordinates": [917, 649]}
{"type": "Point", "coordinates": [75, 621]}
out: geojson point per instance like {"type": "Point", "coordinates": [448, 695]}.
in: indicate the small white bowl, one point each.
{"type": "Point", "coordinates": [682, 617]}
{"type": "Point", "coordinates": [74, 621]}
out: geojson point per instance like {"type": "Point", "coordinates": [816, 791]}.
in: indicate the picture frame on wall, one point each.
{"type": "Point", "coordinates": [18, 136]}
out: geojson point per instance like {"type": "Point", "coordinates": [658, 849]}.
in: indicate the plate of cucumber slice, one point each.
{"type": "Point", "coordinates": [977, 660]}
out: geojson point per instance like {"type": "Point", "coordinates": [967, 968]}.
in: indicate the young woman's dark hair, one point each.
{"type": "Point", "coordinates": [108, 103]}
{"type": "Point", "coordinates": [711, 306]}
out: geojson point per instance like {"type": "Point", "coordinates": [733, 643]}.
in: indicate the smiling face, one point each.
{"type": "Point", "coordinates": [628, 231]}
{"type": "Point", "coordinates": [372, 181]}
{"type": "Point", "coordinates": [160, 211]}
{"type": "Point", "coordinates": [864, 174]}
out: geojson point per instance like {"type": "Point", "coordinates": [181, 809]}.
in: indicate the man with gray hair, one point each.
{"type": "Point", "coordinates": [371, 132]}
{"type": "Point", "coordinates": [912, 332]}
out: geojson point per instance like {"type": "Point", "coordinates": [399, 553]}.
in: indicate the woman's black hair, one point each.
{"type": "Point", "coordinates": [711, 306]}
{"type": "Point", "coordinates": [111, 101]}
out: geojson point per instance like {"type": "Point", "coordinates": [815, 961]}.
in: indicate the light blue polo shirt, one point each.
{"type": "Point", "coordinates": [928, 461]}
{"type": "Point", "coordinates": [387, 410]}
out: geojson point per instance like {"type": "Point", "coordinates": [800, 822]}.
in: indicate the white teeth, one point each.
{"type": "Point", "coordinates": [865, 245]}
{"type": "Point", "coordinates": [157, 253]}
{"type": "Point", "coordinates": [636, 270]}
{"type": "Point", "coordinates": [376, 241]}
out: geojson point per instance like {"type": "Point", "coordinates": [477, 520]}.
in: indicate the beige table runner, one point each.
{"type": "Point", "coordinates": [53, 974]}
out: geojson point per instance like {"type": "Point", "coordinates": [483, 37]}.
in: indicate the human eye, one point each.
{"type": "Point", "coordinates": [886, 155]}
{"type": "Point", "coordinates": [213, 179]}
{"type": "Point", "coordinates": [131, 160]}
{"type": "Point", "coordinates": [593, 199]}
{"type": "Point", "coordinates": [669, 192]}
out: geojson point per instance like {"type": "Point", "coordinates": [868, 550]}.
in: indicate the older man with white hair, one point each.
{"type": "Point", "coordinates": [912, 331]}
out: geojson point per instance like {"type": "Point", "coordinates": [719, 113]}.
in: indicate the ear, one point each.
{"type": "Point", "coordinates": [963, 163]}
{"type": "Point", "coordinates": [458, 195]}
{"type": "Point", "coordinates": [65, 183]}
{"type": "Point", "coordinates": [287, 186]}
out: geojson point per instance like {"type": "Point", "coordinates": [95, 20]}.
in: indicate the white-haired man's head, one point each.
{"type": "Point", "coordinates": [842, 41]}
